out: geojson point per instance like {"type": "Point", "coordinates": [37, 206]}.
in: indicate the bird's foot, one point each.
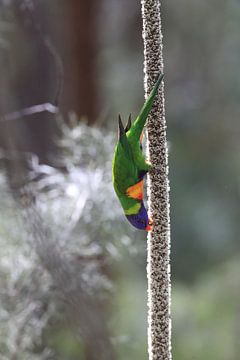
{"type": "Point", "coordinates": [150, 225]}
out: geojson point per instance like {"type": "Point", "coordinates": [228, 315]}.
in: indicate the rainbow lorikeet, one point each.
{"type": "Point", "coordinates": [129, 166]}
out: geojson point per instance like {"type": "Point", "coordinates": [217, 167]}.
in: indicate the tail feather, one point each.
{"type": "Point", "coordinates": [138, 125]}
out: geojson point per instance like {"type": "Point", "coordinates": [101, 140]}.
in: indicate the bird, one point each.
{"type": "Point", "coordinates": [129, 165]}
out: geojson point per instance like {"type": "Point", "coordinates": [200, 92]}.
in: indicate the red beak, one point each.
{"type": "Point", "coordinates": [149, 228]}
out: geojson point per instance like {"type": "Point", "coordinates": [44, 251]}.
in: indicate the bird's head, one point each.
{"type": "Point", "coordinates": [140, 220]}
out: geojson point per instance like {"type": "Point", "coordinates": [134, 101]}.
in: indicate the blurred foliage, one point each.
{"type": "Point", "coordinates": [202, 92]}
{"type": "Point", "coordinates": [25, 298]}
{"type": "Point", "coordinates": [80, 207]}
{"type": "Point", "coordinates": [206, 316]}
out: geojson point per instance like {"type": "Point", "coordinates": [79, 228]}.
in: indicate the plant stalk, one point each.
{"type": "Point", "coordinates": [158, 262]}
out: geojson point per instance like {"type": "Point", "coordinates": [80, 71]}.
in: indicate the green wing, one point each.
{"type": "Point", "coordinates": [124, 170]}
{"type": "Point", "coordinates": [124, 175]}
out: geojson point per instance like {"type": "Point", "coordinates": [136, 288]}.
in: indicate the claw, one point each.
{"type": "Point", "coordinates": [150, 225]}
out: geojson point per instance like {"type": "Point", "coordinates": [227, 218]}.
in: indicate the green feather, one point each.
{"type": "Point", "coordinates": [129, 161]}
{"type": "Point", "coordinates": [129, 123]}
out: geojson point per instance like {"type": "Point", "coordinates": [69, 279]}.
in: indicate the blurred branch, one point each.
{"type": "Point", "coordinates": [74, 219]}
{"type": "Point", "coordinates": [159, 331]}
{"type": "Point", "coordinates": [28, 9]}
{"type": "Point", "coordinates": [35, 109]}
{"type": "Point", "coordinates": [30, 309]}
{"type": "Point", "coordinates": [31, 55]}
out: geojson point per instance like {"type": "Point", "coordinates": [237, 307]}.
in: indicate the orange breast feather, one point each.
{"type": "Point", "coordinates": [136, 191]}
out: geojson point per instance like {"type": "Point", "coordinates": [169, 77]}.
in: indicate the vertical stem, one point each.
{"type": "Point", "coordinates": [158, 268]}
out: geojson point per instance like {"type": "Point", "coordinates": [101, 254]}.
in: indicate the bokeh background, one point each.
{"type": "Point", "coordinates": [67, 160]}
